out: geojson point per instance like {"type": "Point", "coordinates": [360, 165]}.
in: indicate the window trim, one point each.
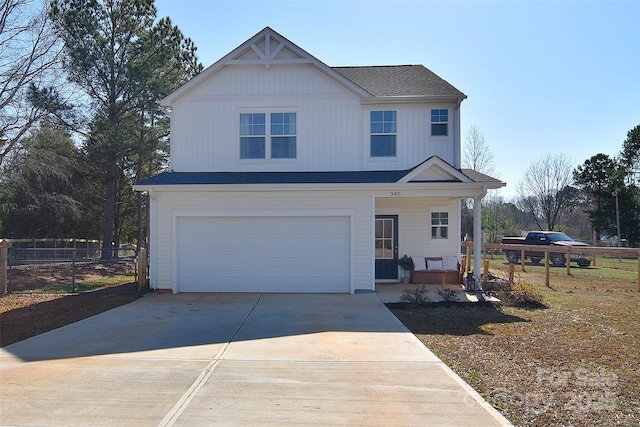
{"type": "Point", "coordinates": [251, 136]}
{"type": "Point", "coordinates": [268, 135]}
{"type": "Point", "coordinates": [393, 133]}
{"type": "Point", "coordinates": [286, 125]}
{"type": "Point", "coordinates": [439, 121]}
{"type": "Point", "coordinates": [439, 225]}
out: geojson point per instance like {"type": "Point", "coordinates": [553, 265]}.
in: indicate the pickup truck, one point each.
{"type": "Point", "coordinates": [546, 238]}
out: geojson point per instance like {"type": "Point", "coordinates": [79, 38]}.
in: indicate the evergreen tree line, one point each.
{"type": "Point", "coordinates": [71, 173]}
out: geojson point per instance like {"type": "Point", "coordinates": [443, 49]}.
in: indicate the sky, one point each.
{"type": "Point", "coordinates": [541, 77]}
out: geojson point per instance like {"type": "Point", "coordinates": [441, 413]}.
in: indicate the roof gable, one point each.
{"type": "Point", "coordinates": [435, 169]}
{"type": "Point", "coordinates": [267, 48]}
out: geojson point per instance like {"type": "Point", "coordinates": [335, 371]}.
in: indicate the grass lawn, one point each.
{"type": "Point", "coordinates": [574, 363]}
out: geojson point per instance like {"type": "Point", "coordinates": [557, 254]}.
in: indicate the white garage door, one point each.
{"type": "Point", "coordinates": [270, 254]}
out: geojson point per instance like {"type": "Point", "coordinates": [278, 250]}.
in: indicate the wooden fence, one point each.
{"type": "Point", "coordinates": [547, 250]}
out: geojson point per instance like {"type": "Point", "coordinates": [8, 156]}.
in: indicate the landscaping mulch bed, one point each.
{"type": "Point", "coordinates": [572, 361]}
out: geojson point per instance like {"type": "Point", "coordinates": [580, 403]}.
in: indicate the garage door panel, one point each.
{"type": "Point", "coordinates": [270, 254]}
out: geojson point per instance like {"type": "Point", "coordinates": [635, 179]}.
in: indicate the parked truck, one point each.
{"type": "Point", "coordinates": [547, 238]}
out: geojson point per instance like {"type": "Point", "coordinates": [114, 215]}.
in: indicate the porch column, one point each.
{"type": "Point", "coordinates": [477, 240]}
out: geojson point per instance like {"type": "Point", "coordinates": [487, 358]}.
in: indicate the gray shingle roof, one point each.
{"type": "Point", "coordinates": [399, 80]}
{"type": "Point", "coordinates": [476, 176]}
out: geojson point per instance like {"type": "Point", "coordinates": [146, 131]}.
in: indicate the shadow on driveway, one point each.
{"type": "Point", "coordinates": [169, 325]}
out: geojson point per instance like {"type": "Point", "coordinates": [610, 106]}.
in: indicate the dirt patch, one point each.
{"type": "Point", "coordinates": [23, 316]}
{"type": "Point", "coordinates": [59, 277]}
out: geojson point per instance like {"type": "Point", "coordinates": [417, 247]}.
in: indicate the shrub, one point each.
{"type": "Point", "coordinates": [415, 297]}
{"type": "Point", "coordinates": [524, 294]}
{"type": "Point", "coordinates": [448, 295]}
{"type": "Point", "coordinates": [496, 285]}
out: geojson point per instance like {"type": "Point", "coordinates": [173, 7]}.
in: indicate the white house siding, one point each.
{"type": "Point", "coordinates": [414, 140]}
{"type": "Point", "coordinates": [332, 123]}
{"type": "Point", "coordinates": [169, 205]}
{"type": "Point", "coordinates": [205, 122]}
{"type": "Point", "coordinates": [414, 224]}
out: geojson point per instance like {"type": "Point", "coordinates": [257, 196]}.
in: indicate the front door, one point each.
{"type": "Point", "coordinates": [386, 247]}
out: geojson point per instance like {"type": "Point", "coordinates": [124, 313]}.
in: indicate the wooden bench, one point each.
{"type": "Point", "coordinates": [436, 270]}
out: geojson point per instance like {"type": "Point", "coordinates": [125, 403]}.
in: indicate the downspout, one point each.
{"type": "Point", "coordinates": [151, 244]}
{"type": "Point", "coordinates": [457, 137]}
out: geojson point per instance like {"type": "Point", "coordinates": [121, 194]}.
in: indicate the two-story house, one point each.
{"type": "Point", "coordinates": [288, 175]}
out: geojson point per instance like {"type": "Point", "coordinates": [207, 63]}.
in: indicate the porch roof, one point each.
{"type": "Point", "coordinates": [345, 177]}
{"type": "Point", "coordinates": [318, 177]}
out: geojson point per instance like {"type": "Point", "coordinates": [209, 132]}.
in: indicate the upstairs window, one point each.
{"type": "Point", "coordinates": [273, 134]}
{"type": "Point", "coordinates": [283, 135]}
{"type": "Point", "coordinates": [383, 133]}
{"type": "Point", "coordinates": [439, 122]}
{"type": "Point", "coordinates": [439, 225]}
{"type": "Point", "coordinates": [252, 136]}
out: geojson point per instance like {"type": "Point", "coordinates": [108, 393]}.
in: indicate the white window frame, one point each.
{"type": "Point", "coordinates": [268, 135]}
{"type": "Point", "coordinates": [439, 225]}
{"type": "Point", "coordinates": [383, 133]}
{"type": "Point", "coordinates": [438, 121]}
{"type": "Point", "coordinates": [252, 136]}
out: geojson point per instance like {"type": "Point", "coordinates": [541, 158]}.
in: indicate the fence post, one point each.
{"type": "Point", "coordinates": [467, 261]}
{"type": "Point", "coordinates": [142, 269]}
{"type": "Point", "coordinates": [546, 268]}
{"type": "Point", "coordinates": [4, 259]}
{"type": "Point", "coordinates": [594, 245]}
{"type": "Point", "coordinates": [73, 272]}
{"type": "Point", "coordinates": [485, 271]}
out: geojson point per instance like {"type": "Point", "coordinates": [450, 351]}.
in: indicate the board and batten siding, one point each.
{"type": "Point", "coordinates": [171, 204]}
{"type": "Point", "coordinates": [332, 123]}
{"type": "Point", "coordinates": [414, 224]}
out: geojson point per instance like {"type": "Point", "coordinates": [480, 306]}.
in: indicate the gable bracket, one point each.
{"type": "Point", "coordinates": [257, 50]}
{"type": "Point", "coordinates": [276, 51]}
{"type": "Point", "coordinates": [268, 56]}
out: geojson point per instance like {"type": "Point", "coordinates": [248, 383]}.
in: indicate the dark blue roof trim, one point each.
{"type": "Point", "coordinates": [348, 177]}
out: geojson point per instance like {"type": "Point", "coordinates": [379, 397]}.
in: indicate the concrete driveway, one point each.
{"type": "Point", "coordinates": [235, 359]}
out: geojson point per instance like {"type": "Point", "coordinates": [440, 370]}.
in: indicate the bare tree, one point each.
{"type": "Point", "coordinates": [545, 189]}
{"type": "Point", "coordinates": [29, 56]}
{"type": "Point", "coordinates": [476, 154]}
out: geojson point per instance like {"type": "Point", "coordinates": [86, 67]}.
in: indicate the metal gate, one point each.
{"type": "Point", "coordinates": [73, 270]}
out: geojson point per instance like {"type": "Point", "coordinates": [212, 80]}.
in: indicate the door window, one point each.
{"type": "Point", "coordinates": [384, 238]}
